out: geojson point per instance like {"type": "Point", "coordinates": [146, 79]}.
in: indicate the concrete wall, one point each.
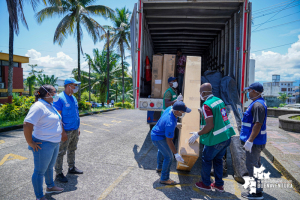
{"type": "Point", "coordinates": [275, 112]}
{"type": "Point", "coordinates": [288, 124]}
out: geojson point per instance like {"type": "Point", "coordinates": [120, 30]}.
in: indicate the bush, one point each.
{"type": "Point", "coordinates": [17, 109]}
{"type": "Point", "coordinates": [126, 105]}
{"type": "Point", "coordinates": [275, 107]}
{"type": "Point", "coordinates": [85, 96]}
{"type": "Point", "coordinates": [282, 104]}
{"type": "Point", "coordinates": [84, 105]}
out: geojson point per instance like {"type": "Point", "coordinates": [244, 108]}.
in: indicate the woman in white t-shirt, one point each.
{"type": "Point", "coordinates": [42, 130]}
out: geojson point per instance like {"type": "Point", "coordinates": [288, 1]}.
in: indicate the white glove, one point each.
{"type": "Point", "coordinates": [194, 137]}
{"type": "Point", "coordinates": [179, 158]}
{"type": "Point", "coordinates": [248, 146]}
{"type": "Point", "coordinates": [200, 111]}
{"type": "Point", "coordinates": [180, 98]}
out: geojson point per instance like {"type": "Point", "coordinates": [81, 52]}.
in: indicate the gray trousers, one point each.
{"type": "Point", "coordinates": [68, 146]}
{"type": "Point", "coordinates": [253, 159]}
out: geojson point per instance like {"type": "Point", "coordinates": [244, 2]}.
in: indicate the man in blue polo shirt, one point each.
{"type": "Point", "coordinates": [253, 133]}
{"type": "Point", "coordinates": [162, 135]}
{"type": "Point", "coordinates": [67, 106]}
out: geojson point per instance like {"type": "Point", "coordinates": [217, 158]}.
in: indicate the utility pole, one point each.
{"type": "Point", "coordinates": [89, 82]}
{"type": "Point", "coordinates": [107, 99]}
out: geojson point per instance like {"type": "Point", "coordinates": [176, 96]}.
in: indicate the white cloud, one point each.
{"type": "Point", "coordinates": [286, 65]}
{"type": "Point", "coordinates": [60, 66]}
{"type": "Point", "coordinates": [292, 32]}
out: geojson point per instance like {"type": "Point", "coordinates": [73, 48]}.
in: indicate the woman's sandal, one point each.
{"type": "Point", "coordinates": [169, 182]}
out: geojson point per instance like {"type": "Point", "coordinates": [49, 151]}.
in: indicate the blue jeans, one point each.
{"type": "Point", "coordinates": [164, 158]}
{"type": "Point", "coordinates": [213, 154]}
{"type": "Point", "coordinates": [44, 160]}
{"type": "Point", "coordinates": [180, 83]}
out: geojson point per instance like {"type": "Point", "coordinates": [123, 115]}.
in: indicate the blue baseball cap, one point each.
{"type": "Point", "coordinates": [255, 86]}
{"type": "Point", "coordinates": [180, 106]}
{"type": "Point", "coordinates": [171, 79]}
{"type": "Point", "coordinates": [71, 80]}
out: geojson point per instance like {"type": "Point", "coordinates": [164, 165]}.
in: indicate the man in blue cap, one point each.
{"type": "Point", "coordinates": [162, 135]}
{"type": "Point", "coordinates": [67, 106]}
{"type": "Point", "coordinates": [253, 133]}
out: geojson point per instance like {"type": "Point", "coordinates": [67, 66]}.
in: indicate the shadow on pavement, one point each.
{"type": "Point", "coordinates": [141, 153]}
{"type": "Point", "coordinates": [269, 168]}
{"type": "Point", "coordinates": [68, 187]}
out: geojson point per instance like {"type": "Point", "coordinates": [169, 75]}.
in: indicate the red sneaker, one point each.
{"type": "Point", "coordinates": [201, 186]}
{"type": "Point", "coordinates": [217, 188]}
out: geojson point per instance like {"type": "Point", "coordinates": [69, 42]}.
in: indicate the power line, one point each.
{"type": "Point", "coordinates": [275, 11]}
{"type": "Point", "coordinates": [278, 18]}
{"type": "Point", "coordinates": [275, 6]}
{"type": "Point", "coordinates": [274, 15]}
{"type": "Point", "coordinates": [276, 26]}
{"type": "Point", "coordinates": [273, 47]}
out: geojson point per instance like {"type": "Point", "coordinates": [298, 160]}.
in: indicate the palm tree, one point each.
{"type": "Point", "coordinates": [31, 79]}
{"type": "Point", "coordinates": [120, 35]}
{"type": "Point", "coordinates": [15, 11]}
{"type": "Point", "coordinates": [76, 14]}
{"type": "Point", "coordinates": [283, 97]}
{"type": "Point", "coordinates": [98, 69]}
{"type": "Point", "coordinates": [44, 79]}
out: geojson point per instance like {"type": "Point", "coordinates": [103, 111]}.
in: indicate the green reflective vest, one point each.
{"type": "Point", "coordinates": [222, 130]}
{"type": "Point", "coordinates": [174, 96]}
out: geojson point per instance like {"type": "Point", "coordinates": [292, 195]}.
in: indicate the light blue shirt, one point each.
{"type": "Point", "coordinates": [165, 126]}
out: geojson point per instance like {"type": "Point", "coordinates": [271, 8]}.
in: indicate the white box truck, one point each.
{"type": "Point", "coordinates": [217, 30]}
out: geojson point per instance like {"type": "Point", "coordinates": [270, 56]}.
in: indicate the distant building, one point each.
{"type": "Point", "coordinates": [296, 93]}
{"type": "Point", "coordinates": [17, 75]}
{"type": "Point", "coordinates": [272, 90]}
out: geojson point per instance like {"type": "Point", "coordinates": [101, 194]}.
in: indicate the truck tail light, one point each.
{"type": "Point", "coordinates": [151, 105]}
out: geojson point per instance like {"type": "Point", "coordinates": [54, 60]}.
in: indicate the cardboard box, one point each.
{"type": "Point", "coordinates": [191, 121]}
{"type": "Point", "coordinates": [168, 71]}
{"type": "Point", "coordinates": [157, 71]}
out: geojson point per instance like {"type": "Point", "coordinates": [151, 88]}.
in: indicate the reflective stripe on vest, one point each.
{"type": "Point", "coordinates": [222, 129]}
{"type": "Point", "coordinates": [216, 103]}
{"type": "Point", "coordinates": [246, 124]}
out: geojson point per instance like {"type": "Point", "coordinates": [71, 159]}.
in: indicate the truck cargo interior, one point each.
{"type": "Point", "coordinates": [211, 29]}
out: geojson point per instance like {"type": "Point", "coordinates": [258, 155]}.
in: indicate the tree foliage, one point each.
{"type": "Point", "coordinates": [75, 16]}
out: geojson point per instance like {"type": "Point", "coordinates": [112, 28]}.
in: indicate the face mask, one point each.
{"type": "Point", "coordinates": [55, 97]}
{"type": "Point", "coordinates": [201, 97]}
{"type": "Point", "coordinates": [75, 89]}
{"type": "Point", "coordinates": [175, 85]}
{"type": "Point", "coordinates": [248, 96]}
{"type": "Point", "coordinates": [182, 115]}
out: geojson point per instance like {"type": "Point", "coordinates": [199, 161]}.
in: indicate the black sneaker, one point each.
{"type": "Point", "coordinates": [60, 177]}
{"type": "Point", "coordinates": [247, 195]}
{"type": "Point", "coordinates": [74, 170]}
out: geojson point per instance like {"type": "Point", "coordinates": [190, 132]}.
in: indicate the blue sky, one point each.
{"type": "Point", "coordinates": [37, 42]}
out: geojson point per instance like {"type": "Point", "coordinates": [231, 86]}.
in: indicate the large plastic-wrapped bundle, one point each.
{"type": "Point", "coordinates": [214, 78]}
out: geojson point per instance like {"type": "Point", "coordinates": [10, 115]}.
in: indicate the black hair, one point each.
{"type": "Point", "coordinates": [42, 91]}
{"type": "Point", "coordinates": [179, 50]}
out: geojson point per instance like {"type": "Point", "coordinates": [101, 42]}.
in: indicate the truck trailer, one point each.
{"type": "Point", "coordinates": [217, 30]}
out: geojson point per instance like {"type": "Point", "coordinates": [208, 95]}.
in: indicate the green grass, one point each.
{"type": "Point", "coordinates": [295, 117]}
{"type": "Point", "coordinates": [93, 110]}
{"type": "Point", "coordinates": [12, 123]}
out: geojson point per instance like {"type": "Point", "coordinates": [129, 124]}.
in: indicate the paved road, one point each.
{"type": "Point", "coordinates": [118, 159]}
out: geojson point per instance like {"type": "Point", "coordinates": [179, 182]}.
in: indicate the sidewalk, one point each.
{"type": "Point", "coordinates": [283, 149]}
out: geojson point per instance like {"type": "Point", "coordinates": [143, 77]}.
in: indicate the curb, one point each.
{"type": "Point", "coordinates": [283, 170]}
{"type": "Point", "coordinates": [11, 128]}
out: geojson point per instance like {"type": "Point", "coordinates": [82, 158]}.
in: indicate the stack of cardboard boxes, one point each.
{"type": "Point", "coordinates": [163, 67]}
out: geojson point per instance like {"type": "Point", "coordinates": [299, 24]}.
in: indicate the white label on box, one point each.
{"type": "Point", "coordinates": [157, 81]}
